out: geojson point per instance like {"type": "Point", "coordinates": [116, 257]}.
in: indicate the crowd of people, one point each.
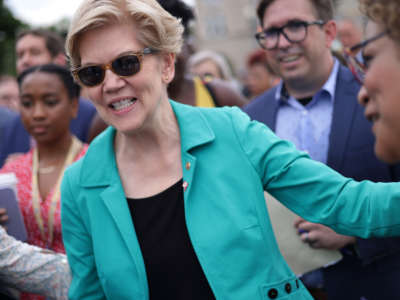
{"type": "Point", "coordinates": [145, 169]}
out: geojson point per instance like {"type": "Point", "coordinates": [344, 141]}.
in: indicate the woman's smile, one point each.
{"type": "Point", "coordinates": [122, 106]}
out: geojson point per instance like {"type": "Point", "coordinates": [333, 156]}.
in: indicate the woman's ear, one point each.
{"type": "Point", "coordinates": [168, 67]}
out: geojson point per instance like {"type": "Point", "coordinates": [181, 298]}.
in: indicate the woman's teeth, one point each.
{"type": "Point", "coordinates": [122, 104]}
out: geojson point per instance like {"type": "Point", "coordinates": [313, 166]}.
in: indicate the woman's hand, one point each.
{"type": "Point", "coordinates": [320, 236]}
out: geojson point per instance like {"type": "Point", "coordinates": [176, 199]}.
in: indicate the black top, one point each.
{"type": "Point", "coordinates": [173, 270]}
{"type": "Point", "coordinates": [285, 96]}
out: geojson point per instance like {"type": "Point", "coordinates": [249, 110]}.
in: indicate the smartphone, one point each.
{"type": "Point", "coordinates": [15, 223]}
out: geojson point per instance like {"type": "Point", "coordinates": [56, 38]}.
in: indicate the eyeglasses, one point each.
{"type": "Point", "coordinates": [294, 31]}
{"type": "Point", "coordinates": [125, 65]}
{"type": "Point", "coordinates": [357, 65]}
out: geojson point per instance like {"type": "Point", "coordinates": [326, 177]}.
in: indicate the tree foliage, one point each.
{"type": "Point", "coordinates": [9, 27]}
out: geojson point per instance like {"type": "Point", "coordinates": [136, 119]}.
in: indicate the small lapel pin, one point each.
{"type": "Point", "coordinates": [185, 185]}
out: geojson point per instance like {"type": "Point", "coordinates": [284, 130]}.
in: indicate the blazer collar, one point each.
{"type": "Point", "coordinates": [99, 167]}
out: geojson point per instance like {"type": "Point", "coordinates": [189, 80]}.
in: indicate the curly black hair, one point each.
{"type": "Point", "coordinates": [180, 10]}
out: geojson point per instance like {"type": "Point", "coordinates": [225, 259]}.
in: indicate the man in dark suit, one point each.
{"type": "Point", "coordinates": [315, 107]}
{"type": "Point", "coordinates": [6, 116]}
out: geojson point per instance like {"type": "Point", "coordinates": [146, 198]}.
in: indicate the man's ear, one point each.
{"type": "Point", "coordinates": [168, 67]}
{"type": "Point", "coordinates": [60, 59]}
{"type": "Point", "coordinates": [330, 30]}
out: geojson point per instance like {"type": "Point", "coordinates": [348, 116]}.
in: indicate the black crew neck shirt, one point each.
{"type": "Point", "coordinates": [172, 268]}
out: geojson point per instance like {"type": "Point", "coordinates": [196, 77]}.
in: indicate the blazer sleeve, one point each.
{"type": "Point", "coordinates": [313, 190]}
{"type": "Point", "coordinates": [371, 250]}
{"type": "Point", "coordinates": [77, 241]}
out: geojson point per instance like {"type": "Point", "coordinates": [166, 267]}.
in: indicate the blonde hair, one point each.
{"type": "Point", "coordinates": [157, 28]}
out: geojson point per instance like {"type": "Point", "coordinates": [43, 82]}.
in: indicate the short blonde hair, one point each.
{"type": "Point", "coordinates": [157, 28]}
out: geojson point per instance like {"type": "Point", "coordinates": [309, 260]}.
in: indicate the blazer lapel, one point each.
{"type": "Point", "coordinates": [344, 109]}
{"type": "Point", "coordinates": [195, 131]}
{"type": "Point", "coordinates": [270, 115]}
{"type": "Point", "coordinates": [268, 109]}
{"type": "Point", "coordinates": [116, 203]}
{"type": "Point", "coordinates": [101, 154]}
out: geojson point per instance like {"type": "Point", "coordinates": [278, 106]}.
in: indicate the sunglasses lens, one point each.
{"type": "Point", "coordinates": [91, 76]}
{"type": "Point", "coordinates": [126, 65]}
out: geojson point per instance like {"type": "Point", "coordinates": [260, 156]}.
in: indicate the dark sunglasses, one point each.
{"type": "Point", "coordinates": [127, 64]}
{"type": "Point", "coordinates": [355, 61]}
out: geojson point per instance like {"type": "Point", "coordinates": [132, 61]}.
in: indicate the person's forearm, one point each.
{"type": "Point", "coordinates": [32, 269]}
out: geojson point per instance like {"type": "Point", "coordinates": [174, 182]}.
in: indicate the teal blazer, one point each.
{"type": "Point", "coordinates": [232, 161]}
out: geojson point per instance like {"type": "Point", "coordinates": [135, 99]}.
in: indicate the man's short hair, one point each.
{"type": "Point", "coordinates": [54, 42]}
{"type": "Point", "coordinates": [323, 8]}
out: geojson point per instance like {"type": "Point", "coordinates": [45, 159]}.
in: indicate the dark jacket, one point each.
{"type": "Point", "coordinates": [375, 262]}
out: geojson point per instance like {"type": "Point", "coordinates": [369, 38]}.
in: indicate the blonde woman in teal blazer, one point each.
{"type": "Point", "coordinates": [224, 160]}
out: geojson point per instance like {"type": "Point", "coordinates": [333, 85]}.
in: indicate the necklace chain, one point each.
{"type": "Point", "coordinates": [74, 149]}
{"type": "Point", "coordinates": [47, 170]}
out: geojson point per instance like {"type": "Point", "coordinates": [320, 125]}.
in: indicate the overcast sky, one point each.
{"type": "Point", "coordinates": [45, 12]}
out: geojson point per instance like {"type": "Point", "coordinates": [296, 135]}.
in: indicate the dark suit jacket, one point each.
{"type": "Point", "coordinates": [375, 262]}
{"type": "Point", "coordinates": [16, 139]}
{"type": "Point", "coordinates": [6, 116]}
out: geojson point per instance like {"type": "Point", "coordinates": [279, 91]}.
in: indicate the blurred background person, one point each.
{"type": "Point", "coordinates": [349, 31]}
{"type": "Point", "coordinates": [39, 46]}
{"type": "Point", "coordinates": [48, 103]}
{"type": "Point", "coordinates": [192, 90]}
{"type": "Point", "coordinates": [380, 75]}
{"type": "Point", "coordinates": [260, 77]}
{"type": "Point", "coordinates": [9, 92]}
{"type": "Point", "coordinates": [209, 64]}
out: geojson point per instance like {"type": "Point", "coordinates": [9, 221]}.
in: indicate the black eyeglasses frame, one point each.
{"type": "Point", "coordinates": [280, 30]}
{"type": "Point", "coordinates": [357, 67]}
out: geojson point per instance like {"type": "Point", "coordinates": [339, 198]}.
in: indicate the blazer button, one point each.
{"type": "Point", "coordinates": [188, 165]}
{"type": "Point", "coordinates": [273, 293]}
{"type": "Point", "coordinates": [288, 288]}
